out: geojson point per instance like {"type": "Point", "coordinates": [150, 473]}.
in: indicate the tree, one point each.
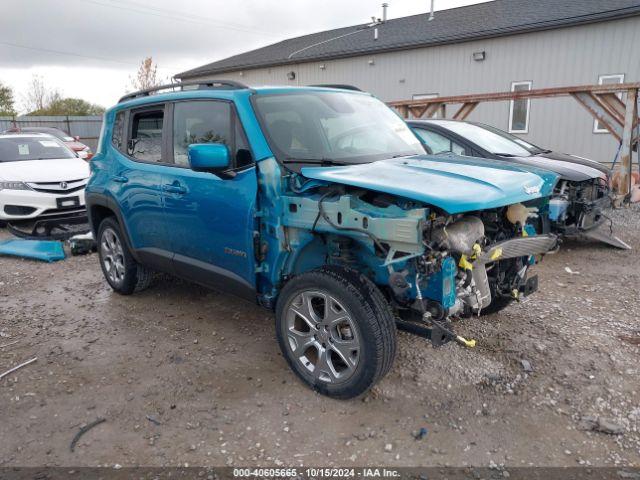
{"type": "Point", "coordinates": [39, 96]}
{"type": "Point", "coordinates": [70, 106]}
{"type": "Point", "coordinates": [6, 101]}
{"type": "Point", "coordinates": [146, 76]}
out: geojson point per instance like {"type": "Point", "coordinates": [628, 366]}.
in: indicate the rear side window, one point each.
{"type": "Point", "coordinates": [145, 139]}
{"type": "Point", "coordinates": [208, 122]}
{"type": "Point", "coordinates": [117, 136]}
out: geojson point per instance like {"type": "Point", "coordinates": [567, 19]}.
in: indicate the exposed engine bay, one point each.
{"type": "Point", "coordinates": [431, 265]}
{"type": "Point", "coordinates": [577, 206]}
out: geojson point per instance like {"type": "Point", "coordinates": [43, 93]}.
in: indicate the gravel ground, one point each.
{"type": "Point", "coordinates": [183, 375]}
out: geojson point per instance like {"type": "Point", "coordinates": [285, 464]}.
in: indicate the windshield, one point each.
{"type": "Point", "coordinates": [333, 127]}
{"type": "Point", "coordinates": [492, 140]}
{"type": "Point", "coordinates": [50, 131]}
{"type": "Point", "coordinates": [15, 149]}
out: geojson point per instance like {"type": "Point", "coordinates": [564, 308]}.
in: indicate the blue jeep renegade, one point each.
{"type": "Point", "coordinates": [319, 203]}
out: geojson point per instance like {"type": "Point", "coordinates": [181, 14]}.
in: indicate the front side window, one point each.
{"type": "Point", "coordinates": [145, 140]}
{"type": "Point", "coordinates": [607, 80]}
{"type": "Point", "coordinates": [199, 122]}
{"type": "Point", "coordinates": [519, 109]}
{"type": "Point", "coordinates": [203, 121]}
{"type": "Point", "coordinates": [438, 143]}
{"type": "Point", "coordinates": [15, 149]}
{"type": "Point", "coordinates": [340, 127]}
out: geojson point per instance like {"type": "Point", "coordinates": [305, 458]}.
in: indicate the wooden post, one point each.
{"type": "Point", "coordinates": [627, 140]}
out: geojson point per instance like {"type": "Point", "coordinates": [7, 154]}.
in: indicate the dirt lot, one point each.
{"type": "Point", "coordinates": [183, 375]}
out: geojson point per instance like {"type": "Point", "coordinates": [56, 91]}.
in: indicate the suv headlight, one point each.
{"type": "Point", "coordinates": [13, 186]}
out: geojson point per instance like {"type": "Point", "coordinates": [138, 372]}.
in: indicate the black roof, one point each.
{"type": "Point", "coordinates": [484, 20]}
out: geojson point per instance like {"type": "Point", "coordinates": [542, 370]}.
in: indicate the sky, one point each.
{"type": "Point", "coordinates": [90, 49]}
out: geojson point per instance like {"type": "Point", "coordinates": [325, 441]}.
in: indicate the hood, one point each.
{"type": "Point", "coordinates": [576, 161]}
{"type": "Point", "coordinates": [64, 169]}
{"type": "Point", "coordinates": [454, 184]}
{"type": "Point", "coordinates": [568, 171]}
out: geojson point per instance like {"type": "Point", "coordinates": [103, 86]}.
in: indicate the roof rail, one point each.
{"type": "Point", "coordinates": [198, 85]}
{"type": "Point", "coordinates": [339, 86]}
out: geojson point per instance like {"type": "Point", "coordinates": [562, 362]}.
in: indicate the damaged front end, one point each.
{"type": "Point", "coordinates": [430, 265]}
{"type": "Point", "coordinates": [577, 209]}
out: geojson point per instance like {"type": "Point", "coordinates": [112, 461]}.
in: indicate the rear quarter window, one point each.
{"type": "Point", "coordinates": [117, 135]}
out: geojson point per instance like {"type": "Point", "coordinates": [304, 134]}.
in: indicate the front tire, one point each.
{"type": "Point", "coordinates": [120, 269]}
{"type": "Point", "coordinates": [336, 331]}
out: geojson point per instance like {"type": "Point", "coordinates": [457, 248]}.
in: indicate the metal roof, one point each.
{"type": "Point", "coordinates": [484, 20]}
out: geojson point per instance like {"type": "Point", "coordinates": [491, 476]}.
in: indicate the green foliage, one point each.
{"type": "Point", "coordinates": [6, 101]}
{"type": "Point", "coordinates": [70, 106]}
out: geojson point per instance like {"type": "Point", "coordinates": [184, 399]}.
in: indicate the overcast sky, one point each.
{"type": "Point", "coordinates": [90, 48]}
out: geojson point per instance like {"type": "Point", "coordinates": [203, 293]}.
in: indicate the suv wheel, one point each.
{"type": "Point", "coordinates": [122, 272]}
{"type": "Point", "coordinates": [336, 331]}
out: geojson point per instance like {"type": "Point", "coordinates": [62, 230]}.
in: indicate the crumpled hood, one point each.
{"type": "Point", "coordinates": [59, 170]}
{"type": "Point", "coordinates": [454, 184]}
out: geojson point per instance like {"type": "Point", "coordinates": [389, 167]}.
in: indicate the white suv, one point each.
{"type": "Point", "coordinates": [41, 179]}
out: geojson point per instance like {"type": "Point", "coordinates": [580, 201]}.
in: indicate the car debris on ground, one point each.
{"type": "Point", "coordinates": [44, 250]}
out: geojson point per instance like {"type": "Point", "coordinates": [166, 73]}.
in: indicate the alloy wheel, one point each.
{"type": "Point", "coordinates": [322, 336]}
{"type": "Point", "coordinates": [112, 256]}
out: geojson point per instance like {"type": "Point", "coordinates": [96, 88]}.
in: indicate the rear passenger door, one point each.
{"type": "Point", "coordinates": [210, 218]}
{"type": "Point", "coordinates": [137, 177]}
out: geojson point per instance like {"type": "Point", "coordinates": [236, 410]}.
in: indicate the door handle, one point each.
{"type": "Point", "coordinates": [120, 179]}
{"type": "Point", "coordinates": [179, 189]}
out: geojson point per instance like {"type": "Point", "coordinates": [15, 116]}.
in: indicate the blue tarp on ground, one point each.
{"type": "Point", "coordinates": [45, 250]}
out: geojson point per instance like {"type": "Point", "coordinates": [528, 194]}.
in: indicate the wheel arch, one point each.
{"type": "Point", "coordinates": [101, 206]}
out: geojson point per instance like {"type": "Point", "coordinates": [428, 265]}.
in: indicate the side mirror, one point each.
{"type": "Point", "coordinates": [77, 138]}
{"type": "Point", "coordinates": [209, 157]}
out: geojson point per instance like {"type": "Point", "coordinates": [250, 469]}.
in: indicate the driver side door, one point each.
{"type": "Point", "coordinates": [210, 218]}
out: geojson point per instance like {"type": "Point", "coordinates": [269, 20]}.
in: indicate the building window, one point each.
{"type": "Point", "coordinates": [607, 80]}
{"type": "Point", "coordinates": [519, 109]}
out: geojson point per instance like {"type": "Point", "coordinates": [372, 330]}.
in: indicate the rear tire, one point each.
{"type": "Point", "coordinates": [336, 331]}
{"type": "Point", "coordinates": [120, 269]}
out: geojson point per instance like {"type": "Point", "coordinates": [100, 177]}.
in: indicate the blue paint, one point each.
{"type": "Point", "coordinates": [208, 156]}
{"type": "Point", "coordinates": [453, 184]}
{"type": "Point", "coordinates": [220, 220]}
{"type": "Point", "coordinates": [45, 250]}
{"type": "Point", "coordinates": [557, 209]}
{"type": "Point", "coordinates": [441, 285]}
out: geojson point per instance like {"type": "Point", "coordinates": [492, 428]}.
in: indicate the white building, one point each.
{"type": "Point", "coordinates": [489, 47]}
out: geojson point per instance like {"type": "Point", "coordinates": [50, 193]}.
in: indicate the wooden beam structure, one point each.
{"type": "Point", "coordinates": [602, 102]}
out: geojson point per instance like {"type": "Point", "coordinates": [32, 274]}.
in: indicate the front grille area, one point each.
{"type": "Point", "coordinates": [63, 211]}
{"type": "Point", "coordinates": [18, 210]}
{"type": "Point", "coordinates": [62, 187]}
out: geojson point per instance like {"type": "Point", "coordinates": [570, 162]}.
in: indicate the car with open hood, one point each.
{"type": "Point", "coordinates": [581, 197]}
{"type": "Point", "coordinates": [319, 204]}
